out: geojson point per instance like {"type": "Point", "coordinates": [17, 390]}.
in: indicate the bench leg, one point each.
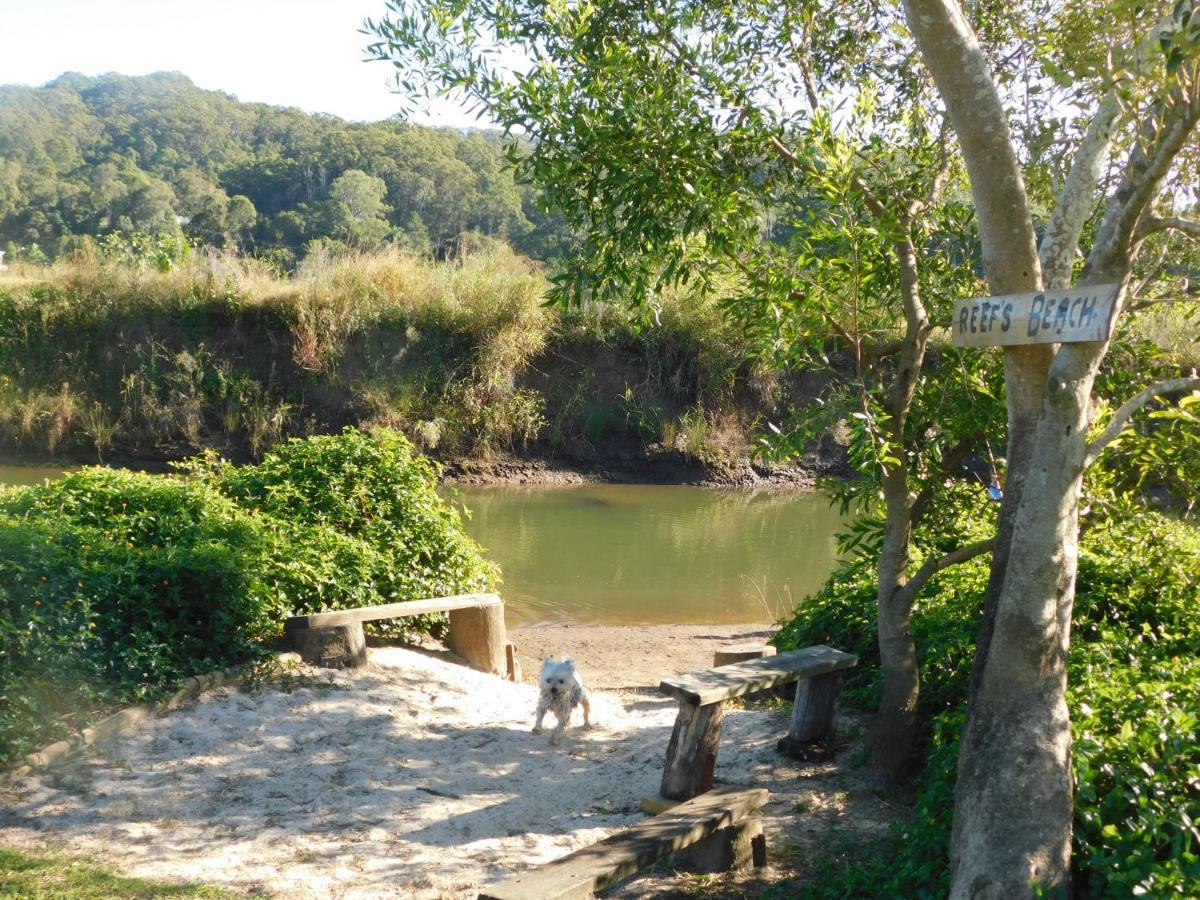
{"type": "Point", "coordinates": [692, 751]}
{"type": "Point", "coordinates": [814, 715]}
{"type": "Point", "coordinates": [335, 646]}
{"type": "Point", "coordinates": [736, 847]}
{"type": "Point", "coordinates": [477, 635]}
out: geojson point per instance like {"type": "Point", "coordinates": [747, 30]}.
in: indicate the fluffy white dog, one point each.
{"type": "Point", "coordinates": [562, 691]}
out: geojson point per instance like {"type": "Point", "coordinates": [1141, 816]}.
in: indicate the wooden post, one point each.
{"type": "Point", "coordinates": [512, 662]}
{"type": "Point", "coordinates": [736, 653]}
{"type": "Point", "coordinates": [333, 646]}
{"type": "Point", "coordinates": [726, 849]}
{"type": "Point", "coordinates": [692, 751]}
{"type": "Point", "coordinates": [813, 718]}
{"type": "Point", "coordinates": [477, 635]}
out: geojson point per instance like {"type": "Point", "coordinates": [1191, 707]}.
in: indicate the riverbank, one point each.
{"type": "Point", "coordinates": [662, 468]}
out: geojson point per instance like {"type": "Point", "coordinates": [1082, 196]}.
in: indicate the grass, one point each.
{"type": "Point", "coordinates": [57, 877]}
{"type": "Point", "coordinates": [101, 359]}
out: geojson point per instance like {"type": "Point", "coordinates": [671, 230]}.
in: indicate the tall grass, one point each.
{"type": "Point", "coordinates": [100, 357]}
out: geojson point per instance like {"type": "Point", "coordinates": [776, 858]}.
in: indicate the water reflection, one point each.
{"type": "Point", "coordinates": [652, 554]}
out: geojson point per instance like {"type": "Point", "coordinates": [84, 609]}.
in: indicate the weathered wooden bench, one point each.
{"type": "Point", "coordinates": [692, 751]}
{"type": "Point", "coordinates": [717, 831]}
{"type": "Point", "coordinates": [476, 632]}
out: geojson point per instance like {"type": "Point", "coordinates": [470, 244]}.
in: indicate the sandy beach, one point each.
{"type": "Point", "coordinates": [413, 777]}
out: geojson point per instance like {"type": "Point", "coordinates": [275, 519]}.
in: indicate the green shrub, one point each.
{"type": "Point", "coordinates": [1134, 696]}
{"type": "Point", "coordinates": [116, 585]}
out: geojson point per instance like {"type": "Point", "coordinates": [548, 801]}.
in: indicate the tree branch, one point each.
{"type": "Point", "coordinates": [964, 79]}
{"type": "Point", "coordinates": [933, 565]}
{"type": "Point", "coordinates": [1061, 238]}
{"type": "Point", "coordinates": [1130, 408]}
{"type": "Point", "coordinates": [1152, 224]}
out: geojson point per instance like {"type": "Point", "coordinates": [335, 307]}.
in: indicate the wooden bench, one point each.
{"type": "Point", "coordinates": [692, 751]}
{"type": "Point", "coordinates": [476, 632]}
{"type": "Point", "coordinates": [716, 831]}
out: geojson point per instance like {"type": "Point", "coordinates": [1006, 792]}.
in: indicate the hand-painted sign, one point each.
{"type": "Point", "coordinates": [1070, 316]}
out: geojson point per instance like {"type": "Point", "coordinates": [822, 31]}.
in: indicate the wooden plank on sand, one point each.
{"type": "Point", "coordinates": [591, 869]}
{"type": "Point", "coordinates": [715, 685]}
{"type": "Point", "coordinates": [391, 611]}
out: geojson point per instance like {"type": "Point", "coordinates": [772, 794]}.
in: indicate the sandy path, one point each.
{"type": "Point", "coordinates": [412, 778]}
{"type": "Point", "coordinates": [631, 657]}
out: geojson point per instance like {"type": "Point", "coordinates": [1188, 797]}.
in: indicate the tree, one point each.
{"type": "Point", "coordinates": [669, 158]}
{"type": "Point", "coordinates": [658, 128]}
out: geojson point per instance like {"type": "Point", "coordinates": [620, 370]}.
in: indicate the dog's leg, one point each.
{"type": "Point", "coordinates": [541, 714]}
{"type": "Point", "coordinates": [558, 729]}
{"type": "Point", "coordinates": [586, 702]}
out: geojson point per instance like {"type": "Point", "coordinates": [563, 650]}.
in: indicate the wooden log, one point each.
{"type": "Point", "coordinates": [392, 610]}
{"type": "Point", "coordinates": [692, 751]}
{"type": "Point", "coordinates": [713, 685]}
{"type": "Point", "coordinates": [814, 715]}
{"type": "Point", "coordinates": [477, 635]}
{"type": "Point", "coordinates": [337, 647]}
{"type": "Point", "coordinates": [587, 870]}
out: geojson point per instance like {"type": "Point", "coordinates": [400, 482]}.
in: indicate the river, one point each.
{"type": "Point", "coordinates": [639, 554]}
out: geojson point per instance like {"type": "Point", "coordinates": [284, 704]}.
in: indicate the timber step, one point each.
{"type": "Point", "coordinates": [590, 869]}
{"type": "Point", "coordinates": [736, 679]}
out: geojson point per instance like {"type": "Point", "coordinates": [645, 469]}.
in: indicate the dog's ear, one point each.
{"type": "Point", "coordinates": [567, 659]}
{"type": "Point", "coordinates": [545, 660]}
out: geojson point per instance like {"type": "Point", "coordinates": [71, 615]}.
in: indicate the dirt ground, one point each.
{"type": "Point", "coordinates": [417, 777]}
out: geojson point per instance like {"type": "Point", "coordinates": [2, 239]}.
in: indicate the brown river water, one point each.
{"type": "Point", "coordinates": [619, 554]}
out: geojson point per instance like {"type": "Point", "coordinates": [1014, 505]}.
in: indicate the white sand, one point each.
{"type": "Point", "coordinates": [414, 777]}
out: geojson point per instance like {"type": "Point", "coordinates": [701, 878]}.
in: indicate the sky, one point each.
{"type": "Point", "coordinates": [303, 53]}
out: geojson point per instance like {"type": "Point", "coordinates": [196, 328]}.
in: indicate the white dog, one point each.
{"type": "Point", "coordinates": [562, 691]}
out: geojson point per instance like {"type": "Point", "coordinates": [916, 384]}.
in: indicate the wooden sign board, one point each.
{"type": "Point", "coordinates": [1048, 317]}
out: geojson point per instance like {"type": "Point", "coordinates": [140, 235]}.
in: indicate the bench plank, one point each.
{"type": "Point", "coordinates": [590, 869]}
{"type": "Point", "coordinates": [715, 685]}
{"type": "Point", "coordinates": [390, 611]}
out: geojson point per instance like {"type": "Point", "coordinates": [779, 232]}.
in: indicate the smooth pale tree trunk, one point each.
{"type": "Point", "coordinates": [1013, 800]}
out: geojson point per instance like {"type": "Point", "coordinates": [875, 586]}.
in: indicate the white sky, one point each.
{"type": "Point", "coordinates": [303, 53]}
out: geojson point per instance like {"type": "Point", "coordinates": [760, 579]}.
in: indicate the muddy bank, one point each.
{"type": "Point", "coordinates": [644, 468]}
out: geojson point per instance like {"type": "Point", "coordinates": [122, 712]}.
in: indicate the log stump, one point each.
{"type": "Point", "coordinates": [333, 646]}
{"type": "Point", "coordinates": [477, 635]}
{"type": "Point", "coordinates": [736, 653]}
{"type": "Point", "coordinates": [692, 751]}
{"type": "Point", "coordinates": [814, 715]}
{"type": "Point", "coordinates": [727, 849]}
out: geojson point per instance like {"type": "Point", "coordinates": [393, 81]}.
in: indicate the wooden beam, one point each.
{"type": "Point", "coordinates": [582, 873]}
{"type": "Point", "coordinates": [391, 611]}
{"type": "Point", "coordinates": [715, 685]}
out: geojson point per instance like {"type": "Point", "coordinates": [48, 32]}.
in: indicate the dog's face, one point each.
{"type": "Point", "coordinates": [557, 676]}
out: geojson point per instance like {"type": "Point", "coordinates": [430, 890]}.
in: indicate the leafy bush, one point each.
{"type": "Point", "coordinates": [372, 490]}
{"type": "Point", "coordinates": [116, 585]}
{"type": "Point", "coordinates": [1134, 695]}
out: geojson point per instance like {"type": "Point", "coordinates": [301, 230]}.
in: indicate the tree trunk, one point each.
{"type": "Point", "coordinates": [895, 723]}
{"type": "Point", "coordinates": [1013, 801]}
